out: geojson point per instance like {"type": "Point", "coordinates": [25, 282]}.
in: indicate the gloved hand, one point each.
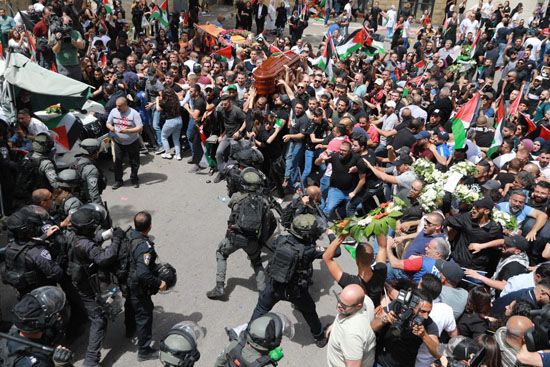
{"type": "Point", "coordinates": [62, 356]}
{"type": "Point", "coordinates": [119, 233]}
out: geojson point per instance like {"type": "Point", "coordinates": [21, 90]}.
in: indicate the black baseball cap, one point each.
{"type": "Point", "coordinates": [485, 203]}
{"type": "Point", "coordinates": [516, 241]}
{"type": "Point", "coordinates": [403, 160]}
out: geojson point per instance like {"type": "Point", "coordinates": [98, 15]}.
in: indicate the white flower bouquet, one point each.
{"type": "Point", "coordinates": [467, 194]}
{"type": "Point", "coordinates": [506, 220]}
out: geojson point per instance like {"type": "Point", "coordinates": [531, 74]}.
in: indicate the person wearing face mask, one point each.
{"type": "Point", "coordinates": [351, 341]}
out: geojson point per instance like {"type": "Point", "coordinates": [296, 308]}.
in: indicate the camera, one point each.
{"type": "Point", "coordinates": [57, 26]}
{"type": "Point", "coordinates": [537, 338]}
{"type": "Point", "coordinates": [404, 308]}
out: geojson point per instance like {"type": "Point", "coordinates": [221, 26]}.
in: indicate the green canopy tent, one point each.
{"type": "Point", "coordinates": [46, 87]}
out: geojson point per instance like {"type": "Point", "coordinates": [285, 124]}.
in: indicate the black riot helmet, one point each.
{"type": "Point", "coordinates": [90, 146]}
{"type": "Point", "coordinates": [102, 213]}
{"type": "Point", "coordinates": [265, 332]}
{"type": "Point", "coordinates": [307, 227]}
{"type": "Point", "coordinates": [168, 274]}
{"type": "Point", "coordinates": [86, 220]}
{"type": "Point", "coordinates": [27, 222]}
{"type": "Point", "coordinates": [40, 309]}
{"type": "Point", "coordinates": [179, 346]}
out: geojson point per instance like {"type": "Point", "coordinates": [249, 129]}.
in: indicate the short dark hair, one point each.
{"type": "Point", "coordinates": [142, 221]}
{"type": "Point", "coordinates": [431, 284]}
{"type": "Point", "coordinates": [24, 111]}
{"type": "Point", "coordinates": [543, 270]}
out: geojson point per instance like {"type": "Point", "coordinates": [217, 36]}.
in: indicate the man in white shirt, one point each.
{"type": "Point", "coordinates": [30, 125]}
{"type": "Point", "coordinates": [469, 25]}
{"type": "Point", "coordinates": [536, 42]}
{"type": "Point", "coordinates": [351, 341]}
{"type": "Point", "coordinates": [543, 163]}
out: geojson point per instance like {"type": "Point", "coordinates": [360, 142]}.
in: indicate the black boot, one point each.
{"type": "Point", "coordinates": [217, 293]}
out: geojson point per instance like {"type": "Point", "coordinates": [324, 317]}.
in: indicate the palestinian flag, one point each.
{"type": "Point", "coordinates": [515, 105]}
{"type": "Point", "coordinates": [352, 43]}
{"type": "Point", "coordinates": [226, 54]}
{"type": "Point", "coordinates": [421, 64]}
{"type": "Point", "coordinates": [103, 60]}
{"type": "Point", "coordinates": [416, 81]}
{"type": "Point", "coordinates": [325, 62]}
{"type": "Point", "coordinates": [497, 140]}
{"type": "Point", "coordinates": [303, 14]}
{"type": "Point", "coordinates": [274, 50]}
{"type": "Point", "coordinates": [26, 20]}
{"type": "Point", "coordinates": [32, 46]}
{"type": "Point", "coordinates": [66, 130]}
{"type": "Point", "coordinates": [160, 16]}
{"type": "Point", "coordinates": [373, 47]}
{"type": "Point", "coordinates": [525, 120]}
{"type": "Point", "coordinates": [462, 121]}
{"type": "Point", "coordinates": [475, 43]}
{"type": "Point", "coordinates": [1, 51]}
{"type": "Point", "coordinates": [108, 5]}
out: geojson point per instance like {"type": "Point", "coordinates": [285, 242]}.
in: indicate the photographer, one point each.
{"type": "Point", "coordinates": [405, 328]}
{"type": "Point", "coordinates": [67, 43]}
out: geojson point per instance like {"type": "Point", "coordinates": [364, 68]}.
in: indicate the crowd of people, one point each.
{"type": "Point", "coordinates": [451, 122]}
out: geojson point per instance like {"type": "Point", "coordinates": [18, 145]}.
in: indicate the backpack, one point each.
{"type": "Point", "coordinates": [287, 256]}
{"type": "Point", "coordinates": [250, 215]}
{"type": "Point", "coordinates": [28, 177]}
{"type": "Point", "coordinates": [125, 262]}
{"type": "Point", "coordinates": [16, 273]}
{"type": "Point", "coordinates": [83, 186]}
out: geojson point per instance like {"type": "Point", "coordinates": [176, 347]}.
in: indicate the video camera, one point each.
{"type": "Point", "coordinates": [404, 308]}
{"type": "Point", "coordinates": [537, 338]}
{"type": "Point", "coordinates": [57, 26]}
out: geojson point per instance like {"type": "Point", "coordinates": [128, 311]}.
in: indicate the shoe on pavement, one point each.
{"type": "Point", "coordinates": [136, 184]}
{"type": "Point", "coordinates": [159, 151]}
{"type": "Point", "coordinates": [147, 354]}
{"type": "Point", "coordinates": [166, 155]}
{"type": "Point", "coordinates": [217, 293]}
{"type": "Point", "coordinates": [194, 169]}
{"type": "Point", "coordinates": [322, 341]}
{"type": "Point", "coordinates": [218, 178]}
{"type": "Point", "coordinates": [190, 160]}
{"type": "Point", "coordinates": [117, 185]}
{"type": "Point", "coordinates": [178, 157]}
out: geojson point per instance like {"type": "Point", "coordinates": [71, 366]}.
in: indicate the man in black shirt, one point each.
{"type": "Point", "coordinates": [474, 227]}
{"type": "Point", "coordinates": [399, 342]}
{"type": "Point", "coordinates": [315, 133]}
{"type": "Point", "coordinates": [373, 186]}
{"type": "Point", "coordinates": [539, 196]}
{"type": "Point", "coordinates": [370, 278]}
{"type": "Point", "coordinates": [196, 108]}
{"type": "Point", "coordinates": [343, 184]}
{"type": "Point", "coordinates": [232, 121]}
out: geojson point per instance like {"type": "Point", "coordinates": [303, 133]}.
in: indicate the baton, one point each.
{"type": "Point", "coordinates": [27, 342]}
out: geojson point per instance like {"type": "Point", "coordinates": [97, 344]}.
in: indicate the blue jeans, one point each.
{"type": "Point", "coordinates": [309, 157]}
{"type": "Point", "coordinates": [323, 186]}
{"type": "Point", "coordinates": [156, 126]}
{"type": "Point", "coordinates": [172, 128]}
{"type": "Point", "coordinates": [389, 33]}
{"type": "Point", "coordinates": [335, 197]}
{"type": "Point", "coordinates": [327, 15]}
{"type": "Point", "coordinates": [190, 133]}
{"type": "Point", "coordinates": [293, 157]}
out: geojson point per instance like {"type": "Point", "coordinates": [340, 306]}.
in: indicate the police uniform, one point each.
{"type": "Point", "coordinates": [70, 205]}
{"type": "Point", "coordinates": [29, 265]}
{"type": "Point", "coordinates": [20, 355]}
{"type": "Point", "coordinates": [86, 259]}
{"type": "Point", "coordinates": [46, 169]}
{"type": "Point", "coordinates": [142, 283]}
{"type": "Point", "coordinates": [244, 354]}
{"type": "Point", "coordinates": [235, 240]}
{"type": "Point", "coordinates": [92, 178]}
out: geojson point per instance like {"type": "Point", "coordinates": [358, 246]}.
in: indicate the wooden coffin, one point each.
{"type": "Point", "coordinates": [271, 70]}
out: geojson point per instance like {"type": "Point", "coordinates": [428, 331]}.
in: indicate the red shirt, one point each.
{"type": "Point", "coordinates": [40, 29]}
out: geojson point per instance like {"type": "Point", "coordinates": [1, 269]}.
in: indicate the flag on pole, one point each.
{"type": "Point", "coordinates": [325, 62]}
{"type": "Point", "coordinates": [462, 121]}
{"type": "Point", "coordinates": [108, 5]}
{"type": "Point", "coordinates": [515, 105]}
{"type": "Point", "coordinates": [160, 16]}
{"type": "Point", "coordinates": [523, 118]}
{"type": "Point", "coordinates": [373, 47]}
{"type": "Point", "coordinates": [227, 55]}
{"type": "Point", "coordinates": [32, 46]}
{"type": "Point", "coordinates": [475, 43]}
{"type": "Point", "coordinates": [352, 43]}
{"type": "Point", "coordinates": [303, 14]}
{"type": "Point", "coordinates": [497, 139]}
{"type": "Point", "coordinates": [415, 81]}
{"type": "Point", "coordinates": [421, 64]}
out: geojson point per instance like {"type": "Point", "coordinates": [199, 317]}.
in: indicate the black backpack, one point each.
{"type": "Point", "coordinates": [28, 177]}
{"type": "Point", "coordinates": [287, 256]}
{"type": "Point", "coordinates": [250, 215]}
{"type": "Point", "coordinates": [16, 273]}
{"type": "Point", "coordinates": [125, 262]}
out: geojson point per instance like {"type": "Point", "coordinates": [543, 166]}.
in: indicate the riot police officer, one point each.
{"type": "Point", "coordinates": [179, 347]}
{"type": "Point", "coordinates": [245, 158]}
{"type": "Point", "coordinates": [92, 179]}
{"type": "Point", "coordinates": [36, 313]}
{"type": "Point", "coordinates": [259, 344]}
{"type": "Point", "coordinates": [29, 264]}
{"type": "Point", "coordinates": [290, 270]}
{"type": "Point", "coordinates": [37, 170]}
{"type": "Point", "coordinates": [66, 201]}
{"type": "Point", "coordinates": [87, 260]}
{"type": "Point", "coordinates": [143, 281]}
{"type": "Point", "coordinates": [238, 238]}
